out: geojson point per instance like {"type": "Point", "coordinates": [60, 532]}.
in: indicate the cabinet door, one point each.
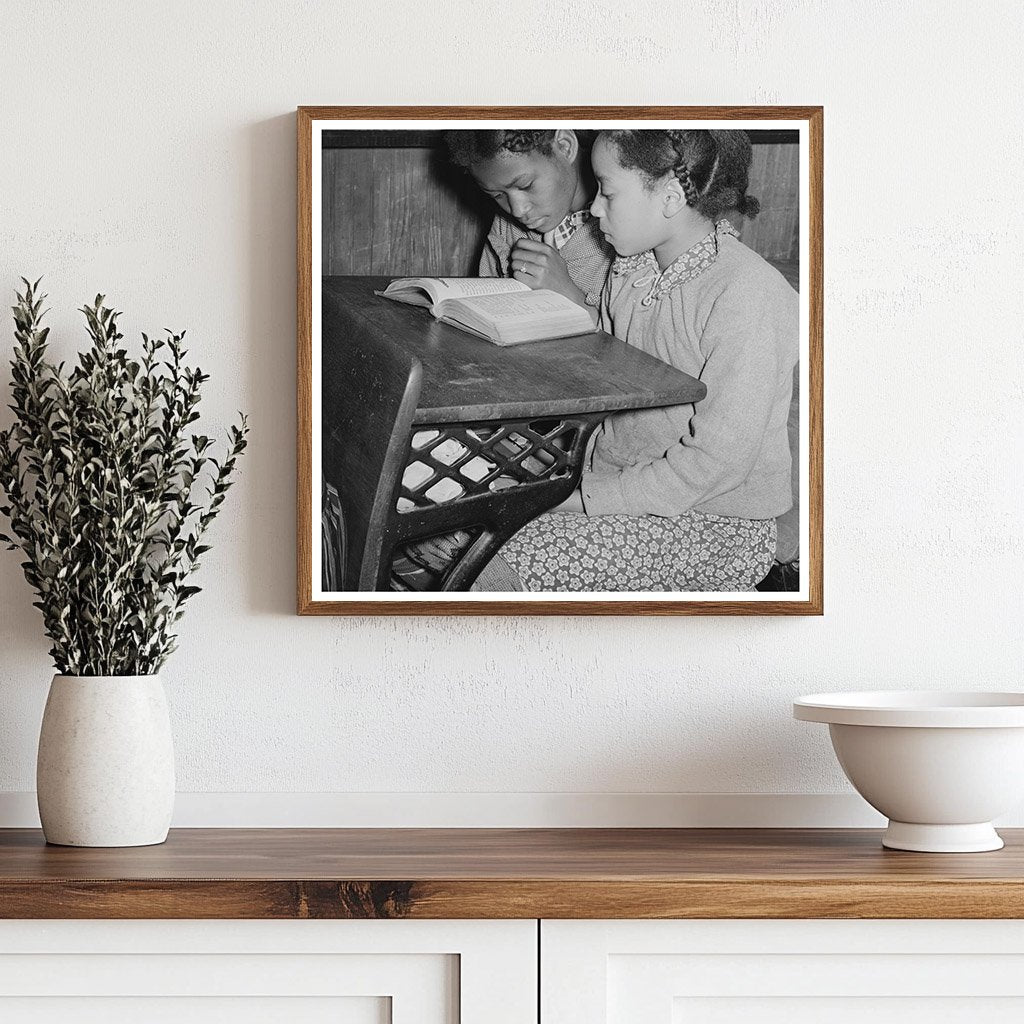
{"type": "Point", "coordinates": [782, 972]}
{"type": "Point", "coordinates": [258, 972]}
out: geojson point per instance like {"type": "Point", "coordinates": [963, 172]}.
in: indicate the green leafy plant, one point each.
{"type": "Point", "coordinates": [108, 494]}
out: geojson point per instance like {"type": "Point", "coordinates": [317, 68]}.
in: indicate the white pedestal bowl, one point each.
{"type": "Point", "coordinates": [940, 766]}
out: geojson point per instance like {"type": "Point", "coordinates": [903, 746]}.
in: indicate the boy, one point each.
{"type": "Point", "coordinates": [545, 235]}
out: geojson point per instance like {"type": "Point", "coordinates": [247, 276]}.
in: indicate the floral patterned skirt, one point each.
{"type": "Point", "coordinates": [695, 552]}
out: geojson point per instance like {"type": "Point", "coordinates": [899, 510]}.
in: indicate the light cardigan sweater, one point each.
{"type": "Point", "coordinates": [723, 315]}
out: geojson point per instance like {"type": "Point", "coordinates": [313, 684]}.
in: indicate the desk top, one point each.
{"type": "Point", "coordinates": [508, 873]}
{"type": "Point", "coordinates": [466, 378]}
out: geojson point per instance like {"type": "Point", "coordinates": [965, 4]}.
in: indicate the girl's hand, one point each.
{"type": "Point", "coordinates": [541, 266]}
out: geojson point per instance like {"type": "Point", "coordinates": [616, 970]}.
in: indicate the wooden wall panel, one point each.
{"type": "Point", "coordinates": [404, 212]}
{"type": "Point", "coordinates": [399, 212]}
{"type": "Point", "coordinates": [775, 180]}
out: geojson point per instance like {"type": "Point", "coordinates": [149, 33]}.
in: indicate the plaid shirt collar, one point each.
{"type": "Point", "coordinates": [561, 234]}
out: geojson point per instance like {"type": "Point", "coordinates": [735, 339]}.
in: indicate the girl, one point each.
{"type": "Point", "coordinates": [681, 498]}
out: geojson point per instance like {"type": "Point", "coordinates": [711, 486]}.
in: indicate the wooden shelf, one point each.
{"type": "Point", "coordinates": [508, 873]}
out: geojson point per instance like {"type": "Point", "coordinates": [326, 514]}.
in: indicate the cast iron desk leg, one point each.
{"type": "Point", "coordinates": [475, 485]}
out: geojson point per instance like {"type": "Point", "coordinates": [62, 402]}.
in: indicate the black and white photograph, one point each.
{"type": "Point", "coordinates": [563, 363]}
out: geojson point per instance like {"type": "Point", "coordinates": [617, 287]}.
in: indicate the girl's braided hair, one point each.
{"type": "Point", "coordinates": [469, 147]}
{"type": "Point", "coordinates": [713, 167]}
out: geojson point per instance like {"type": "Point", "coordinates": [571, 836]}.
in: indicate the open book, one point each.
{"type": "Point", "coordinates": [502, 310]}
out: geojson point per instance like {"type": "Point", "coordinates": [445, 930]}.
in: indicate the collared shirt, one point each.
{"type": "Point", "coordinates": [585, 250]}
{"type": "Point", "coordinates": [564, 231]}
{"type": "Point", "coordinates": [684, 267]}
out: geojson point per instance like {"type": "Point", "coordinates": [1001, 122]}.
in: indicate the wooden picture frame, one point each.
{"type": "Point", "coordinates": [400, 127]}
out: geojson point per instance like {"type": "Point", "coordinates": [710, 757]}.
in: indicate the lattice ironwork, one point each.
{"type": "Point", "coordinates": [454, 461]}
{"type": "Point", "coordinates": [424, 564]}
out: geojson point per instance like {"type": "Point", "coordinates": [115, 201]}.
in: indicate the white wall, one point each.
{"type": "Point", "coordinates": [147, 151]}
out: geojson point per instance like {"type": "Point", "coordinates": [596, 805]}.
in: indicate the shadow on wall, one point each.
{"type": "Point", "coordinates": [660, 751]}
{"type": "Point", "coordinates": [21, 626]}
{"type": "Point", "coordinates": [268, 318]}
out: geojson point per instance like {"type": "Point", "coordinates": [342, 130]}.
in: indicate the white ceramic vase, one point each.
{"type": "Point", "coordinates": [105, 771]}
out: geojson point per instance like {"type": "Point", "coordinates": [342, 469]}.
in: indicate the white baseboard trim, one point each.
{"type": "Point", "coordinates": [495, 810]}
{"type": "Point", "coordinates": [504, 810]}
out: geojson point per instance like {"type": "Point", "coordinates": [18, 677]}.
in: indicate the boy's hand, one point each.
{"type": "Point", "coordinates": [541, 266]}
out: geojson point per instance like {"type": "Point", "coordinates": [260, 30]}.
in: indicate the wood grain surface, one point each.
{"type": "Point", "coordinates": [467, 379]}
{"type": "Point", "coordinates": [400, 212]}
{"type": "Point", "coordinates": [508, 873]}
{"type": "Point", "coordinates": [396, 207]}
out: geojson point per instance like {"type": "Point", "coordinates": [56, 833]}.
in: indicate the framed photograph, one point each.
{"type": "Point", "coordinates": [559, 360]}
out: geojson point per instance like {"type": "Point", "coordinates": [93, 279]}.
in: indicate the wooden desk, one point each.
{"type": "Point", "coordinates": [508, 873]}
{"type": "Point", "coordinates": [429, 431]}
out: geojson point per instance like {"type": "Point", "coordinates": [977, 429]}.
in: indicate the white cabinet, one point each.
{"type": "Point", "coordinates": [486, 972]}
{"type": "Point", "coordinates": [258, 972]}
{"type": "Point", "coordinates": [782, 972]}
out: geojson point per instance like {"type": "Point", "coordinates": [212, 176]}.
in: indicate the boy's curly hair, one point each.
{"type": "Point", "coordinates": [469, 147]}
{"type": "Point", "coordinates": [713, 167]}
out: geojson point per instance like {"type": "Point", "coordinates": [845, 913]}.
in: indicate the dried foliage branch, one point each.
{"type": "Point", "coordinates": [108, 494]}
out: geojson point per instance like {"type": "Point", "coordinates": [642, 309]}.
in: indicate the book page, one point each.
{"type": "Point", "coordinates": [533, 305]}
{"type": "Point", "coordinates": [470, 287]}
{"type": "Point", "coordinates": [426, 291]}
